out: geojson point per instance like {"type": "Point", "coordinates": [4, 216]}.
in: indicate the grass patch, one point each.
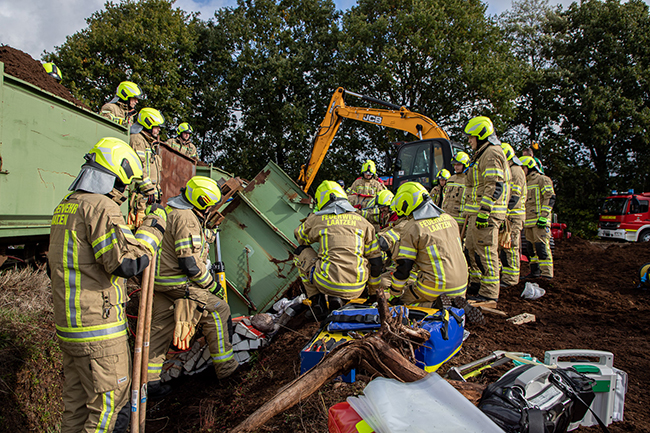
{"type": "Point", "coordinates": [31, 377]}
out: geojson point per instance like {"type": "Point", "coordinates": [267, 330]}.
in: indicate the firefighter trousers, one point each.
{"type": "Point", "coordinates": [482, 247]}
{"type": "Point", "coordinates": [510, 256]}
{"type": "Point", "coordinates": [96, 390]}
{"type": "Point", "coordinates": [215, 327]}
{"type": "Point", "coordinates": [305, 262]}
{"type": "Point", "coordinates": [538, 251]}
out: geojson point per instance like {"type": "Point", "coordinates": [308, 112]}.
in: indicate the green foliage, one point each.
{"type": "Point", "coordinates": [147, 42]}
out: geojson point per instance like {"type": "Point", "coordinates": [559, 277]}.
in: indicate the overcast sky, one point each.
{"type": "Point", "coordinates": [33, 26]}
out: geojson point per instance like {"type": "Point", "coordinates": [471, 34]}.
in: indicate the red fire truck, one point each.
{"type": "Point", "coordinates": [625, 217]}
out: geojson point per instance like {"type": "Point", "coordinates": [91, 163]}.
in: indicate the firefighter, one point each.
{"type": "Point", "coordinates": [438, 192]}
{"type": "Point", "coordinates": [121, 109]}
{"type": "Point", "coordinates": [366, 187]}
{"type": "Point", "coordinates": [144, 140]}
{"type": "Point", "coordinates": [540, 198]}
{"type": "Point", "coordinates": [454, 195]}
{"type": "Point", "coordinates": [378, 211]}
{"type": "Point", "coordinates": [186, 293]}
{"type": "Point", "coordinates": [515, 219]}
{"type": "Point", "coordinates": [91, 253]}
{"type": "Point", "coordinates": [486, 199]}
{"type": "Point", "coordinates": [53, 71]}
{"type": "Point", "coordinates": [183, 142]}
{"type": "Point", "coordinates": [348, 250]}
{"type": "Point", "coordinates": [529, 152]}
{"type": "Point", "coordinates": [430, 241]}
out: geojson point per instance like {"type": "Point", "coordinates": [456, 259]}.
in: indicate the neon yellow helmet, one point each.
{"type": "Point", "coordinates": [508, 151]}
{"type": "Point", "coordinates": [184, 127]}
{"type": "Point", "coordinates": [150, 117]}
{"type": "Point", "coordinates": [480, 127]}
{"type": "Point", "coordinates": [128, 89]}
{"type": "Point", "coordinates": [369, 165]}
{"type": "Point", "coordinates": [409, 197]}
{"type": "Point", "coordinates": [202, 192]}
{"type": "Point", "coordinates": [52, 70]}
{"type": "Point", "coordinates": [528, 161]}
{"type": "Point", "coordinates": [382, 198]}
{"type": "Point", "coordinates": [327, 192]}
{"type": "Point", "coordinates": [119, 158]}
{"type": "Point", "coordinates": [460, 158]}
{"type": "Point", "coordinates": [444, 174]}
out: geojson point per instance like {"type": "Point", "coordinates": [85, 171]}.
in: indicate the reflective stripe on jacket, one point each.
{"type": "Point", "coordinates": [184, 238]}
{"type": "Point", "coordinates": [454, 196]}
{"type": "Point", "coordinates": [346, 241]}
{"type": "Point", "coordinates": [434, 245]}
{"type": "Point", "coordinates": [539, 193]}
{"type": "Point", "coordinates": [363, 190]}
{"type": "Point", "coordinates": [185, 147]}
{"type": "Point", "coordinates": [489, 168]}
{"type": "Point", "coordinates": [143, 145]}
{"type": "Point", "coordinates": [88, 241]}
{"type": "Point", "coordinates": [118, 112]}
{"type": "Point", "coordinates": [518, 189]}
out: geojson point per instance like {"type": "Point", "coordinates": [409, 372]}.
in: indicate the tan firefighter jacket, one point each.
{"type": "Point", "coordinates": [518, 190]}
{"type": "Point", "coordinates": [89, 243]}
{"type": "Point", "coordinates": [185, 147]}
{"type": "Point", "coordinates": [389, 238]}
{"type": "Point", "coordinates": [363, 190]}
{"type": "Point", "coordinates": [540, 198]}
{"type": "Point", "coordinates": [434, 246]}
{"type": "Point", "coordinates": [487, 182]}
{"type": "Point", "coordinates": [118, 112]}
{"type": "Point", "coordinates": [454, 196]}
{"type": "Point", "coordinates": [436, 194]}
{"type": "Point", "coordinates": [146, 146]}
{"type": "Point", "coordinates": [346, 241]}
{"type": "Point", "coordinates": [184, 252]}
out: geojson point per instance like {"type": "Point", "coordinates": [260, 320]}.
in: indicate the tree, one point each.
{"type": "Point", "coordinates": [283, 54]}
{"type": "Point", "coordinates": [147, 42]}
{"type": "Point", "coordinates": [442, 58]}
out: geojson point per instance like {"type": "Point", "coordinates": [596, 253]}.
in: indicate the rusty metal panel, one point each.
{"type": "Point", "coordinates": [177, 170]}
{"type": "Point", "coordinates": [257, 240]}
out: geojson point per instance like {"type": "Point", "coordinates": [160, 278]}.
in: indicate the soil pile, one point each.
{"type": "Point", "coordinates": [592, 303]}
{"type": "Point", "coordinates": [22, 66]}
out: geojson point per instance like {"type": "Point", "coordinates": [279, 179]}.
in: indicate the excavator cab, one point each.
{"type": "Point", "coordinates": [419, 161]}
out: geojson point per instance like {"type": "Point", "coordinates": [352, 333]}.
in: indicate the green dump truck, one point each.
{"type": "Point", "coordinates": [43, 139]}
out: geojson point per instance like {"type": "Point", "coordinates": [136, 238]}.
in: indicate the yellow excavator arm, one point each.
{"type": "Point", "coordinates": [395, 117]}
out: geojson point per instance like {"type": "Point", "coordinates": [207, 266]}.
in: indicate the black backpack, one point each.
{"type": "Point", "coordinates": [532, 398]}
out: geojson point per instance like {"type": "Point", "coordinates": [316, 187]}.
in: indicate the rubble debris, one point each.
{"type": "Point", "coordinates": [521, 319]}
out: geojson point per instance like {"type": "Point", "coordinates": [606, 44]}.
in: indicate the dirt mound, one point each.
{"type": "Point", "coordinates": [21, 65]}
{"type": "Point", "coordinates": [592, 303]}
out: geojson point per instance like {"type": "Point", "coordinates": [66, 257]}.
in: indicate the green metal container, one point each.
{"type": "Point", "coordinates": [257, 240]}
{"type": "Point", "coordinates": [43, 139]}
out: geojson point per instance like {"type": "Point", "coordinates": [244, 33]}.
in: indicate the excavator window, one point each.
{"type": "Point", "coordinates": [416, 162]}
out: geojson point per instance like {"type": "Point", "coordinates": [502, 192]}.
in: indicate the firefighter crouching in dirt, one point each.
{"type": "Point", "coordinates": [437, 193]}
{"type": "Point", "coordinates": [144, 140]}
{"type": "Point", "coordinates": [186, 293]}
{"type": "Point", "coordinates": [430, 241]}
{"type": "Point", "coordinates": [540, 198]}
{"type": "Point", "coordinates": [378, 212]}
{"type": "Point", "coordinates": [348, 256]}
{"type": "Point", "coordinates": [454, 196]}
{"type": "Point", "coordinates": [514, 219]}
{"type": "Point", "coordinates": [121, 109]}
{"type": "Point", "coordinates": [366, 187]}
{"type": "Point", "coordinates": [91, 253]}
{"type": "Point", "coordinates": [486, 199]}
{"type": "Point", "coordinates": [183, 142]}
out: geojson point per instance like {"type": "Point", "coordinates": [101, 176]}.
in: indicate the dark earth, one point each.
{"type": "Point", "coordinates": [592, 303]}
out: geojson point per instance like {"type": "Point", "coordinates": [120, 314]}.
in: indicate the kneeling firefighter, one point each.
{"type": "Point", "coordinates": [348, 247]}
{"type": "Point", "coordinates": [430, 240]}
{"type": "Point", "coordinates": [186, 293]}
{"type": "Point", "coordinates": [91, 254]}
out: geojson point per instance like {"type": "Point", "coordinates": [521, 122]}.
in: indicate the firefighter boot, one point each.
{"type": "Point", "coordinates": [335, 303]}
{"type": "Point", "coordinates": [535, 272]}
{"type": "Point", "coordinates": [473, 288]}
{"type": "Point", "coordinates": [318, 310]}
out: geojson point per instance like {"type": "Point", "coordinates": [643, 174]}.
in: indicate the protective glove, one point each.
{"type": "Point", "coordinates": [482, 220]}
{"type": "Point", "coordinates": [541, 222]}
{"type": "Point", "coordinates": [158, 210]}
{"type": "Point", "coordinates": [186, 316]}
{"type": "Point", "coordinates": [300, 249]}
{"type": "Point", "coordinates": [146, 188]}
